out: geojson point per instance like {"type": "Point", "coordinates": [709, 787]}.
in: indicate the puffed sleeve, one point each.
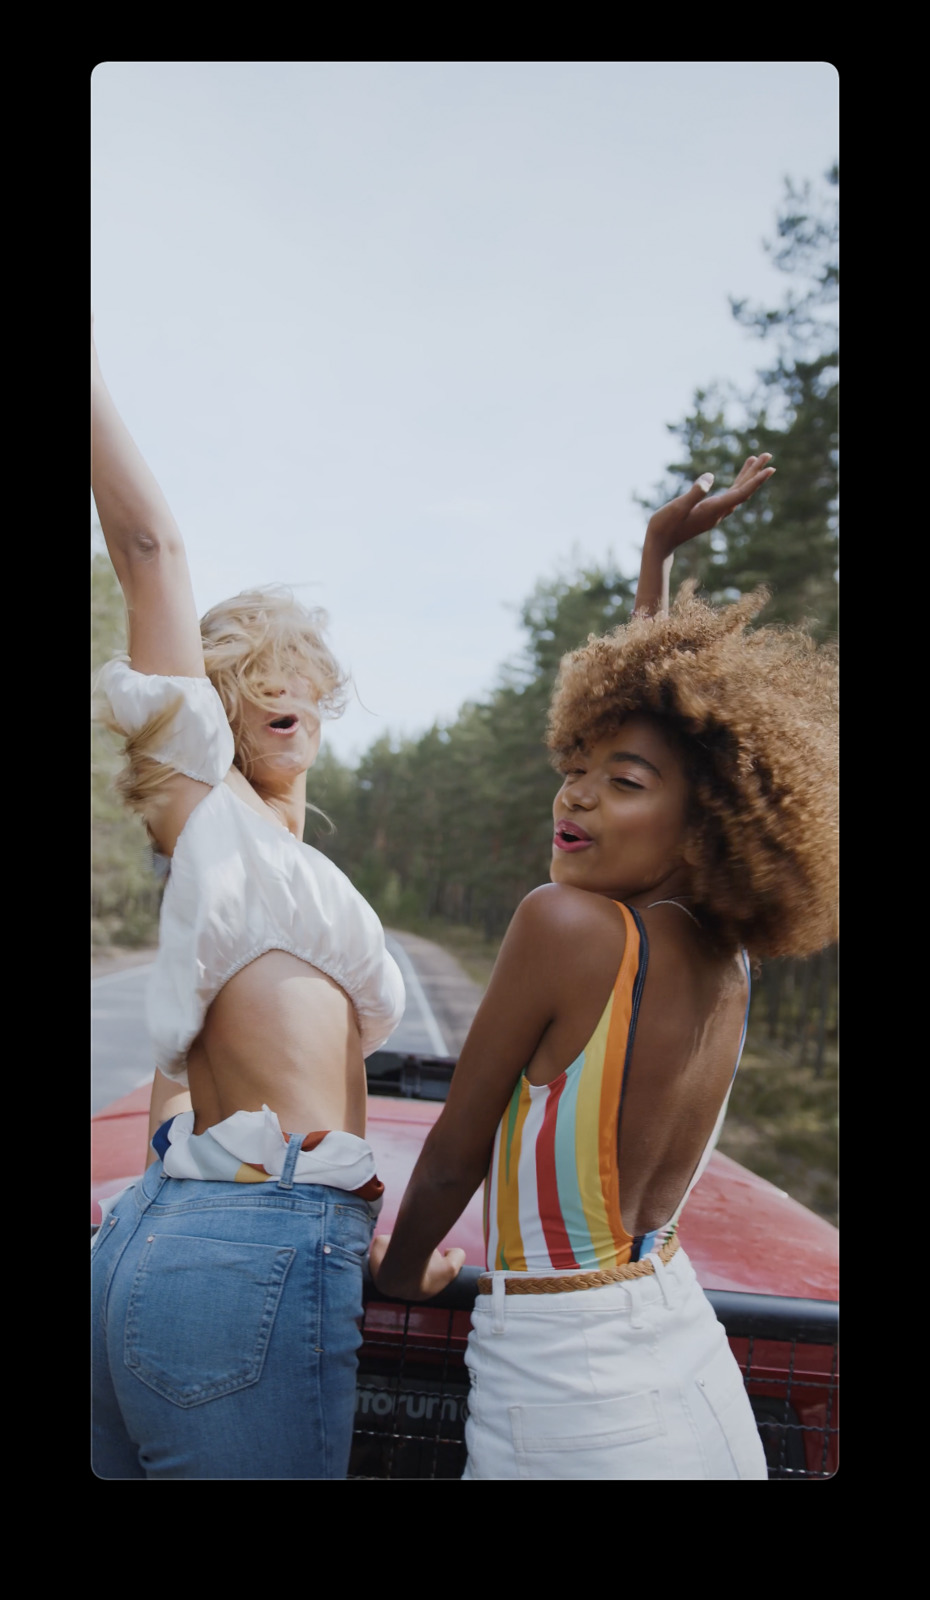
{"type": "Point", "coordinates": [198, 741]}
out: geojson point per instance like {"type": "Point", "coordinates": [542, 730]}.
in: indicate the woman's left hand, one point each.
{"type": "Point", "coordinates": [696, 510]}
{"type": "Point", "coordinates": [438, 1273]}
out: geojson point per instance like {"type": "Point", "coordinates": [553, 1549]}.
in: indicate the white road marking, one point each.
{"type": "Point", "coordinates": [414, 987]}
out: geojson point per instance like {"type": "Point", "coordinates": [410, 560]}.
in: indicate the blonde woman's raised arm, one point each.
{"type": "Point", "coordinates": [144, 544]}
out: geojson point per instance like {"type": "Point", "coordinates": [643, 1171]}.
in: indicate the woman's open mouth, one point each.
{"type": "Point", "coordinates": [284, 725]}
{"type": "Point", "coordinates": [569, 836]}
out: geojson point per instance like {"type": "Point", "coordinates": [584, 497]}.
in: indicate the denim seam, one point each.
{"type": "Point", "coordinates": [693, 1424]}
{"type": "Point", "coordinates": [276, 1202]}
{"type": "Point", "coordinates": [130, 1233]}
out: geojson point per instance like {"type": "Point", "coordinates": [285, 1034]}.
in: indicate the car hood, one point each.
{"type": "Point", "coordinates": [740, 1232]}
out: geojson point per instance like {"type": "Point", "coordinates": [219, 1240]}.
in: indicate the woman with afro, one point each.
{"type": "Point", "coordinates": [694, 835]}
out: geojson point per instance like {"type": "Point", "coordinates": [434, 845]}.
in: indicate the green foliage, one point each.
{"type": "Point", "coordinates": [783, 1123]}
{"type": "Point", "coordinates": [457, 824]}
{"type": "Point", "coordinates": [124, 889]}
{"type": "Point", "coordinates": [454, 827]}
{"type": "Point", "coordinates": [562, 611]}
{"type": "Point", "coordinates": [786, 536]}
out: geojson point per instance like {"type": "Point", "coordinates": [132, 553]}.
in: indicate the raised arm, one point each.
{"type": "Point", "coordinates": [684, 518]}
{"type": "Point", "coordinates": [144, 544]}
{"type": "Point", "coordinates": [147, 552]}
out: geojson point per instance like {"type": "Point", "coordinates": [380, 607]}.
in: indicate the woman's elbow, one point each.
{"type": "Point", "coordinates": [146, 544]}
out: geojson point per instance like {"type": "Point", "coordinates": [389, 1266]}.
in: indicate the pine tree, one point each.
{"type": "Point", "coordinates": [786, 537]}
{"type": "Point", "coordinates": [124, 889]}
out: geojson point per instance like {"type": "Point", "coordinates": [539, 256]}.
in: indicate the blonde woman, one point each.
{"type": "Point", "coordinates": [227, 1282]}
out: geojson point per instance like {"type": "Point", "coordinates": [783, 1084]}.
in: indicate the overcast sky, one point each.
{"type": "Point", "coordinates": [408, 334]}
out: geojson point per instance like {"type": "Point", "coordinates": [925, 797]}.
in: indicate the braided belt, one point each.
{"type": "Point", "coordinates": [584, 1280]}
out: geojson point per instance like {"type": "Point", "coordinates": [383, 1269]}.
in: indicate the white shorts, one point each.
{"type": "Point", "coordinates": [633, 1380]}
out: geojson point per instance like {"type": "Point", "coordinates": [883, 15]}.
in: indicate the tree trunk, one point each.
{"type": "Point", "coordinates": [772, 982]}
{"type": "Point", "coordinates": [802, 1029]}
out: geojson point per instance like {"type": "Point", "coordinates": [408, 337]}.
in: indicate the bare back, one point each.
{"type": "Point", "coordinates": [686, 1041]}
{"type": "Point", "coordinates": [685, 1050]}
{"type": "Point", "coordinates": [281, 1034]}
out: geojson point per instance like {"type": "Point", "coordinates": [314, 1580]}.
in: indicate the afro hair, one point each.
{"type": "Point", "coordinates": [754, 713]}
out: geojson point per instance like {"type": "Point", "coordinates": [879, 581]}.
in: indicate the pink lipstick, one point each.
{"type": "Point", "coordinates": [570, 836]}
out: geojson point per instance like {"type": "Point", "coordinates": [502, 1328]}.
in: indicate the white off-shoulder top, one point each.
{"type": "Point", "coordinates": [240, 884]}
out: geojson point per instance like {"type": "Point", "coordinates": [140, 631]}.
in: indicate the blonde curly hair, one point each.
{"type": "Point", "coordinates": [250, 643]}
{"type": "Point", "coordinates": [754, 715]}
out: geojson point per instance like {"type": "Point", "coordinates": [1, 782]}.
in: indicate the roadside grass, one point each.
{"type": "Point", "coordinates": [782, 1120]}
{"type": "Point", "coordinates": [782, 1123]}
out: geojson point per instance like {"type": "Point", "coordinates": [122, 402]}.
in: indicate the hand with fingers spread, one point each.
{"type": "Point", "coordinates": [441, 1268]}
{"type": "Point", "coordinates": [691, 513]}
{"type": "Point", "coordinates": [697, 510]}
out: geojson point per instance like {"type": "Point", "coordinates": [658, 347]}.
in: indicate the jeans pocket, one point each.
{"type": "Point", "coordinates": [348, 1231]}
{"type": "Point", "coordinates": [721, 1385]}
{"type": "Point", "coordinates": [623, 1437]}
{"type": "Point", "coordinates": [201, 1313]}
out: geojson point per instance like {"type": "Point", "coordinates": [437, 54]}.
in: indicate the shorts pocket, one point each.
{"type": "Point", "coordinates": [721, 1385]}
{"type": "Point", "coordinates": [624, 1437]}
{"type": "Point", "coordinates": [201, 1313]}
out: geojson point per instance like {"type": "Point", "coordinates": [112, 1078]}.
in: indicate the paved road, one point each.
{"type": "Point", "coordinates": [441, 1001]}
{"type": "Point", "coordinates": [120, 1050]}
{"type": "Point", "coordinates": [441, 984]}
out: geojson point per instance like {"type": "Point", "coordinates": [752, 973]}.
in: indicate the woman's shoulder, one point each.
{"type": "Point", "coordinates": [557, 913]}
{"type": "Point", "coordinates": [562, 942]}
{"type": "Point", "coordinates": [559, 903]}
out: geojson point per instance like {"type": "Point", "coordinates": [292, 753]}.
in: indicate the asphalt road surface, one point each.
{"type": "Point", "coordinates": [441, 1001]}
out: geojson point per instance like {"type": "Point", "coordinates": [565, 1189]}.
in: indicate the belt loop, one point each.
{"type": "Point", "coordinates": [153, 1179]}
{"type": "Point", "coordinates": [498, 1302]}
{"type": "Point", "coordinates": [636, 1320]}
{"type": "Point", "coordinates": [662, 1277]}
{"type": "Point", "coordinates": [286, 1180]}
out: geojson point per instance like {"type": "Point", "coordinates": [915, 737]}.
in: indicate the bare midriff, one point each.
{"type": "Point", "coordinates": [280, 1033]}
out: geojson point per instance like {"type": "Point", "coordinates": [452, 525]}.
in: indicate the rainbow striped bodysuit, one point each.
{"type": "Point", "coordinates": [552, 1195]}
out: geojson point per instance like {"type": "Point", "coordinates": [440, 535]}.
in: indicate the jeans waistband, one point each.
{"type": "Point", "coordinates": [150, 1189]}
{"type": "Point", "coordinates": [250, 1147]}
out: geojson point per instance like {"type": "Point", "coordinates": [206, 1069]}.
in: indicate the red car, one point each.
{"type": "Point", "coordinates": [768, 1266]}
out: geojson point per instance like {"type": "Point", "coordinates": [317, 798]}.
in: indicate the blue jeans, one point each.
{"type": "Point", "coordinates": [226, 1325]}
